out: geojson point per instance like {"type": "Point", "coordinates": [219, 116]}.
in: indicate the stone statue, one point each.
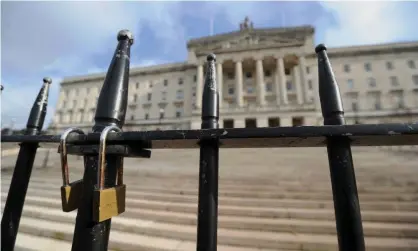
{"type": "Point", "coordinates": [246, 24]}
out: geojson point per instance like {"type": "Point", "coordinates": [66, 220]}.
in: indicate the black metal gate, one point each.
{"type": "Point", "coordinates": [101, 198]}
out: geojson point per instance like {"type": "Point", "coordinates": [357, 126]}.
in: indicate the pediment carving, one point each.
{"type": "Point", "coordinates": [252, 40]}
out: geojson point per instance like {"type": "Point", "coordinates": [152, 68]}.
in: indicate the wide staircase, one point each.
{"type": "Point", "coordinates": [269, 199]}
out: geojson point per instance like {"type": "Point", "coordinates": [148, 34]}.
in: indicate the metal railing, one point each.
{"type": "Point", "coordinates": [98, 198]}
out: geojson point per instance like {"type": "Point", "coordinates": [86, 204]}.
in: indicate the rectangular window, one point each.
{"type": "Point", "coordinates": [354, 106]}
{"type": "Point", "coordinates": [163, 95]}
{"type": "Point", "coordinates": [149, 96]}
{"type": "Point", "coordinates": [350, 83]}
{"type": "Point", "coordinates": [372, 82]}
{"type": "Point", "coordinates": [269, 87]}
{"type": "Point", "coordinates": [274, 122]}
{"type": "Point", "coordinates": [415, 79]}
{"type": "Point", "coordinates": [310, 85]}
{"type": "Point", "coordinates": [289, 85]}
{"type": "Point", "coordinates": [389, 65]}
{"type": "Point", "coordinates": [180, 81]}
{"type": "Point", "coordinates": [346, 68]}
{"type": "Point", "coordinates": [411, 64]}
{"type": "Point", "coordinates": [179, 94]}
{"type": "Point", "coordinates": [267, 73]}
{"type": "Point", "coordinates": [231, 90]}
{"type": "Point", "coordinates": [394, 81]}
{"type": "Point", "coordinates": [179, 112]}
{"type": "Point", "coordinates": [228, 123]}
{"type": "Point", "coordinates": [165, 82]}
{"type": "Point", "coordinates": [367, 67]}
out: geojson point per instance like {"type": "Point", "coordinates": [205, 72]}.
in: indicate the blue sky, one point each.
{"type": "Point", "coordinates": [59, 39]}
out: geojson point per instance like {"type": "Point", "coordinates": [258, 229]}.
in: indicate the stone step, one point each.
{"type": "Point", "coordinates": [28, 242]}
{"type": "Point", "coordinates": [139, 197]}
{"type": "Point", "coordinates": [277, 194]}
{"type": "Point", "coordinates": [126, 240]}
{"type": "Point", "coordinates": [121, 241]}
{"type": "Point", "coordinates": [233, 222]}
{"type": "Point", "coordinates": [35, 199]}
{"type": "Point", "coordinates": [138, 182]}
{"type": "Point", "coordinates": [273, 181]}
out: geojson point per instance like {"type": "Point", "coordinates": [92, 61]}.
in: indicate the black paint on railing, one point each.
{"type": "Point", "coordinates": [301, 136]}
{"type": "Point", "coordinates": [207, 216]}
{"type": "Point", "coordinates": [344, 187]}
{"type": "Point", "coordinates": [111, 110]}
{"type": "Point", "coordinates": [22, 171]}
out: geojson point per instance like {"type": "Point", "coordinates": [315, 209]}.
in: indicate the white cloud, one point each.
{"type": "Point", "coordinates": [365, 23]}
{"type": "Point", "coordinates": [61, 39]}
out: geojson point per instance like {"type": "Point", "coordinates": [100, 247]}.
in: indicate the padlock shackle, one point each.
{"type": "Point", "coordinates": [102, 154]}
{"type": "Point", "coordinates": [63, 154]}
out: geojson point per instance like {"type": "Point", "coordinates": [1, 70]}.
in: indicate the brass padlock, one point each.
{"type": "Point", "coordinates": [108, 202]}
{"type": "Point", "coordinates": [70, 192]}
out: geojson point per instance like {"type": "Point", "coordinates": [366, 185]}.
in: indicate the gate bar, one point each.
{"type": "Point", "coordinates": [207, 216]}
{"type": "Point", "coordinates": [344, 187]}
{"type": "Point", "coordinates": [301, 136]}
{"type": "Point", "coordinates": [111, 110]}
{"type": "Point", "coordinates": [23, 170]}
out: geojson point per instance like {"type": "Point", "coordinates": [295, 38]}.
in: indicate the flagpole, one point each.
{"type": "Point", "coordinates": [211, 26]}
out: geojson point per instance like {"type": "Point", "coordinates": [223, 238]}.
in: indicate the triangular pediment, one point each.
{"type": "Point", "coordinates": [249, 38]}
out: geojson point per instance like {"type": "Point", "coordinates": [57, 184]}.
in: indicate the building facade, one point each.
{"type": "Point", "coordinates": [266, 78]}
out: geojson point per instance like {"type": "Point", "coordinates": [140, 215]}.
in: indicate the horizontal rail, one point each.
{"type": "Point", "coordinates": [303, 136]}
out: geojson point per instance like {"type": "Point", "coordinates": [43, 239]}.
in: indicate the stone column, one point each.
{"type": "Point", "coordinates": [199, 86]}
{"type": "Point", "coordinates": [298, 86]}
{"type": "Point", "coordinates": [219, 72]}
{"type": "Point", "coordinates": [277, 91]}
{"type": "Point", "coordinates": [281, 82]}
{"type": "Point", "coordinates": [238, 88]}
{"type": "Point", "coordinates": [260, 82]}
{"type": "Point", "coordinates": [302, 69]}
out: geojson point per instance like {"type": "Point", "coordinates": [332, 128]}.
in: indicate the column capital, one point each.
{"type": "Point", "coordinates": [259, 57]}
{"type": "Point", "coordinates": [278, 56]}
{"type": "Point", "coordinates": [237, 59]}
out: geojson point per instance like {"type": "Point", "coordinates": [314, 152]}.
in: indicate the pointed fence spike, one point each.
{"type": "Point", "coordinates": [113, 98]}
{"type": "Point", "coordinates": [329, 93]}
{"type": "Point", "coordinates": [210, 96]}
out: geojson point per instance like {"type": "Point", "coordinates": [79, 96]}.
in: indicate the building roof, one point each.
{"type": "Point", "coordinates": [246, 28]}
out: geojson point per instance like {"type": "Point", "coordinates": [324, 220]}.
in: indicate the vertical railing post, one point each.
{"type": "Point", "coordinates": [344, 188]}
{"type": "Point", "coordinates": [90, 235]}
{"type": "Point", "coordinates": [207, 222]}
{"type": "Point", "coordinates": [22, 171]}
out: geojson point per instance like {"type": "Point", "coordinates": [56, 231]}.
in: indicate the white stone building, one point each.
{"type": "Point", "coordinates": [267, 77]}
